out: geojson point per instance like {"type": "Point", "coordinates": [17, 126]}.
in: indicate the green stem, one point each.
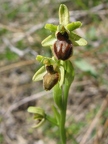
{"type": "Point", "coordinates": [62, 127]}
{"type": "Point", "coordinates": [63, 115]}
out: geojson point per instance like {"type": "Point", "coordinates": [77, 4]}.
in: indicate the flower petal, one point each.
{"type": "Point", "coordinates": [49, 41]}
{"type": "Point", "coordinates": [63, 15]}
{"type": "Point", "coordinates": [74, 25]}
{"type": "Point", "coordinates": [39, 74]}
{"type": "Point", "coordinates": [77, 40]}
{"type": "Point", "coordinates": [51, 27]}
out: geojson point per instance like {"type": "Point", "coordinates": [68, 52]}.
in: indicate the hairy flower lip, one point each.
{"type": "Point", "coordinates": [63, 49]}
{"type": "Point", "coordinates": [50, 80]}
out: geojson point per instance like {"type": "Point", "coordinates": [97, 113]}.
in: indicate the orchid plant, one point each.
{"type": "Point", "coordinates": [57, 72]}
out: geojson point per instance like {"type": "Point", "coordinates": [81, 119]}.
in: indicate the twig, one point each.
{"type": "Point", "coordinates": [99, 10]}
{"type": "Point", "coordinates": [78, 14]}
{"type": "Point", "coordinates": [28, 99]}
{"type": "Point", "coordinates": [19, 52]}
{"type": "Point", "coordinates": [7, 27]}
{"type": "Point", "coordinates": [95, 121]}
{"type": "Point", "coordinates": [33, 29]}
{"type": "Point", "coordinates": [12, 48]}
{"type": "Point", "coordinates": [15, 65]}
{"type": "Point", "coordinates": [101, 132]}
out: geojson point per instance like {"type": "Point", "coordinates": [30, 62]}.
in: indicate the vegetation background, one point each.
{"type": "Point", "coordinates": [21, 32]}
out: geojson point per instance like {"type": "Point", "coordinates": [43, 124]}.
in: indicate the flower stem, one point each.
{"type": "Point", "coordinates": [63, 115]}
{"type": "Point", "coordinates": [62, 127]}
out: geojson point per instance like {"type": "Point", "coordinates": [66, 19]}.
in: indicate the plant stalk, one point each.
{"type": "Point", "coordinates": [62, 127]}
{"type": "Point", "coordinates": [63, 115]}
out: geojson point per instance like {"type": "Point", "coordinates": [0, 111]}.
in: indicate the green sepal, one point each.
{"type": "Point", "coordinates": [39, 74]}
{"type": "Point", "coordinates": [74, 25]}
{"type": "Point", "coordinates": [49, 41]}
{"type": "Point", "coordinates": [39, 115]}
{"type": "Point", "coordinates": [51, 27]}
{"type": "Point", "coordinates": [39, 58]}
{"type": "Point", "coordinates": [77, 40]}
{"type": "Point", "coordinates": [46, 60]}
{"type": "Point", "coordinates": [63, 15]}
{"type": "Point", "coordinates": [39, 122]}
{"type": "Point", "coordinates": [36, 110]}
{"type": "Point", "coordinates": [57, 94]}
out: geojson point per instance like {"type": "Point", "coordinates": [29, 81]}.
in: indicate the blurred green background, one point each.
{"type": "Point", "coordinates": [21, 32]}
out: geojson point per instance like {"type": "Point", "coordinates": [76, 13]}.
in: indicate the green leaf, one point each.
{"type": "Point", "coordinates": [51, 120]}
{"type": "Point", "coordinates": [69, 76]}
{"type": "Point", "coordinates": [63, 15]}
{"type": "Point", "coordinates": [57, 94]}
{"type": "Point", "coordinates": [51, 27]}
{"type": "Point", "coordinates": [86, 67]}
{"type": "Point", "coordinates": [57, 114]}
{"type": "Point", "coordinates": [39, 74]}
{"type": "Point", "coordinates": [77, 40]}
{"type": "Point", "coordinates": [74, 25]}
{"type": "Point", "coordinates": [49, 41]}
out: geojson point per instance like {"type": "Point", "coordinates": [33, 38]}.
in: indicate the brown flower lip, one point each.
{"type": "Point", "coordinates": [51, 78]}
{"type": "Point", "coordinates": [62, 48]}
